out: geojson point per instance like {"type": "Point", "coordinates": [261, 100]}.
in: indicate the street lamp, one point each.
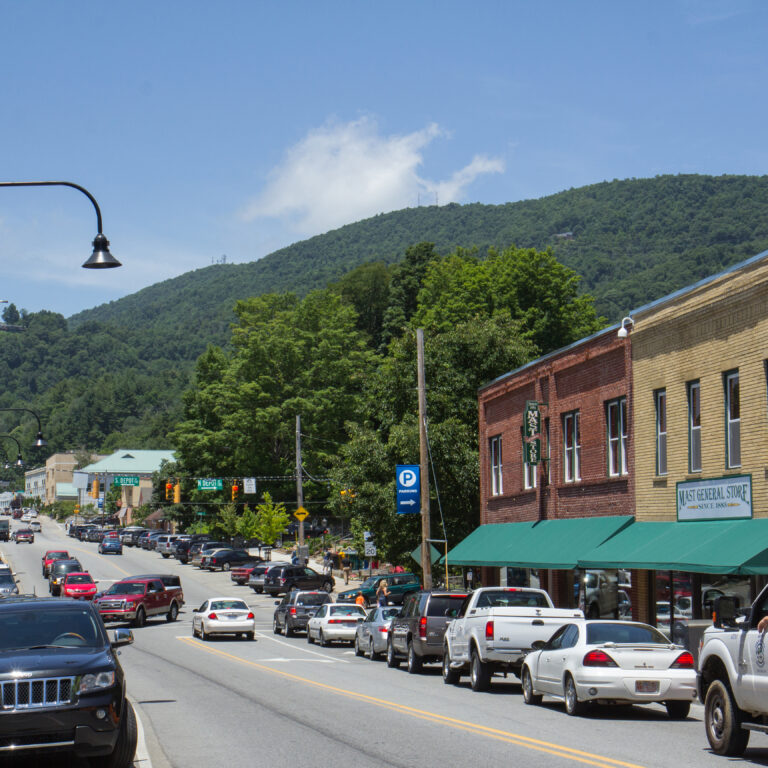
{"type": "Point", "coordinates": [39, 440]}
{"type": "Point", "coordinates": [19, 460]}
{"type": "Point", "coordinates": [101, 258]}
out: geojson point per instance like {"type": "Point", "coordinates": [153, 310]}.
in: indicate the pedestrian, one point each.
{"type": "Point", "coordinates": [345, 566]}
{"type": "Point", "coordinates": [294, 557]}
{"type": "Point", "coordinates": [360, 600]}
{"type": "Point", "coordinates": [381, 592]}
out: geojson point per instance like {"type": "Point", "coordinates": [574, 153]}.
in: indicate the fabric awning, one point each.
{"type": "Point", "coordinates": [722, 546]}
{"type": "Point", "coordinates": [555, 544]}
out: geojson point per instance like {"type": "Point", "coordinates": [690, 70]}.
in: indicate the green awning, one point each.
{"type": "Point", "coordinates": [555, 544]}
{"type": "Point", "coordinates": [723, 546]}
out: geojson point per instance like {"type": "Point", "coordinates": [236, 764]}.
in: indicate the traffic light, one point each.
{"type": "Point", "coordinates": [235, 490]}
{"type": "Point", "coordinates": [95, 488]}
{"type": "Point", "coordinates": [168, 491]}
{"type": "Point", "coordinates": [77, 509]}
{"type": "Point", "coordinates": [177, 493]}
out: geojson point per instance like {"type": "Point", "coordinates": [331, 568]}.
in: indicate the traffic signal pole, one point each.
{"type": "Point", "coordinates": [299, 486]}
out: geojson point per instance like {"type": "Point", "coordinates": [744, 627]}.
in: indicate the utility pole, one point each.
{"type": "Point", "coordinates": [299, 486]}
{"type": "Point", "coordinates": [426, 560]}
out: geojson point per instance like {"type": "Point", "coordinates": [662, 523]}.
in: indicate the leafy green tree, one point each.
{"type": "Point", "coordinates": [366, 288]}
{"type": "Point", "coordinates": [111, 497]}
{"type": "Point", "coordinates": [272, 519]}
{"type": "Point", "coordinates": [248, 525]}
{"type": "Point", "coordinates": [227, 521]}
{"type": "Point", "coordinates": [11, 315]}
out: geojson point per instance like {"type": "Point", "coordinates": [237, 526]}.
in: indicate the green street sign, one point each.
{"type": "Point", "coordinates": [210, 484]}
{"type": "Point", "coordinates": [533, 452]}
{"type": "Point", "coordinates": [532, 418]}
{"type": "Point", "coordinates": [125, 480]}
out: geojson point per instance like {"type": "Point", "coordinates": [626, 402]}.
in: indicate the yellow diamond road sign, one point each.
{"type": "Point", "coordinates": [301, 513]}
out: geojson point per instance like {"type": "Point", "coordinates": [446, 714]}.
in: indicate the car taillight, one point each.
{"type": "Point", "coordinates": [282, 580]}
{"type": "Point", "coordinates": [683, 661]}
{"type": "Point", "coordinates": [250, 616]}
{"type": "Point", "coordinates": [598, 658]}
{"type": "Point", "coordinates": [293, 611]}
{"type": "Point", "coordinates": [213, 616]}
{"type": "Point", "coordinates": [335, 621]}
{"type": "Point", "coordinates": [489, 630]}
{"type": "Point", "coordinates": [384, 629]}
{"type": "Point", "coordinates": [423, 627]}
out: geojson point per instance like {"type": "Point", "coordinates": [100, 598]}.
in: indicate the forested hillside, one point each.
{"type": "Point", "coordinates": [114, 374]}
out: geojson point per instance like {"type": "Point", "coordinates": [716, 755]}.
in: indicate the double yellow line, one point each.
{"type": "Point", "coordinates": [558, 750]}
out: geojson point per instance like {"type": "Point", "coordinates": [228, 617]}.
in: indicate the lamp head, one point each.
{"type": "Point", "coordinates": [101, 258]}
{"type": "Point", "coordinates": [19, 461]}
{"type": "Point", "coordinates": [623, 332]}
{"type": "Point", "coordinates": [40, 441]}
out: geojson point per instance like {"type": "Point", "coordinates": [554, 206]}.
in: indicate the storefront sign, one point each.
{"type": "Point", "coordinates": [532, 418]}
{"type": "Point", "coordinates": [719, 498]}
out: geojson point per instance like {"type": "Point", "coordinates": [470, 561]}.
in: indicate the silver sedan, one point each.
{"type": "Point", "coordinates": [371, 636]}
{"type": "Point", "coordinates": [610, 662]}
{"type": "Point", "coordinates": [223, 616]}
{"type": "Point", "coordinates": [334, 621]}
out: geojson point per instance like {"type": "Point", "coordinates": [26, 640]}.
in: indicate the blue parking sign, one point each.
{"type": "Point", "coordinates": [408, 488]}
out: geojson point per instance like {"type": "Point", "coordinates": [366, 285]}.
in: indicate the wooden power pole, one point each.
{"type": "Point", "coordinates": [426, 560]}
{"type": "Point", "coordinates": [299, 486]}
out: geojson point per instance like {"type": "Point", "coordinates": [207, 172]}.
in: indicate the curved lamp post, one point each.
{"type": "Point", "coordinates": [101, 258]}
{"type": "Point", "coordinates": [39, 440]}
{"type": "Point", "coordinates": [19, 460]}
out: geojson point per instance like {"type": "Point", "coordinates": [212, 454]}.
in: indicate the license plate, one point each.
{"type": "Point", "coordinates": [235, 616]}
{"type": "Point", "coordinates": [646, 686]}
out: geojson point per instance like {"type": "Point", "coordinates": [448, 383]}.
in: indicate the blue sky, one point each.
{"type": "Point", "coordinates": [208, 129]}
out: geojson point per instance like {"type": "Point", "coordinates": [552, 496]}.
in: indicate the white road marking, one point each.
{"type": "Point", "coordinates": [299, 648]}
{"type": "Point", "coordinates": [141, 756]}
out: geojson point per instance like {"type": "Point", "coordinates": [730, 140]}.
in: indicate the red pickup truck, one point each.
{"type": "Point", "coordinates": [136, 599]}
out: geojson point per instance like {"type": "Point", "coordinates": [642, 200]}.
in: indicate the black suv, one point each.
{"type": "Point", "coordinates": [61, 685]}
{"type": "Point", "coordinates": [284, 578]}
{"type": "Point", "coordinates": [295, 609]}
{"type": "Point", "coordinates": [59, 570]}
{"type": "Point", "coordinates": [417, 631]}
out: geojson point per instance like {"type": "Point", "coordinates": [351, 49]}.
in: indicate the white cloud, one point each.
{"type": "Point", "coordinates": [344, 172]}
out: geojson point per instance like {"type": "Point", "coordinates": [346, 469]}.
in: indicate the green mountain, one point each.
{"type": "Point", "coordinates": [115, 373]}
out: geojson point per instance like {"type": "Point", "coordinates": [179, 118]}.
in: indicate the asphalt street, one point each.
{"type": "Point", "coordinates": [285, 702]}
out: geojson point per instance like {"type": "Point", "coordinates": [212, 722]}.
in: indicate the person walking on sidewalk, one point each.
{"type": "Point", "coordinates": [381, 592]}
{"type": "Point", "coordinates": [345, 566]}
{"type": "Point", "coordinates": [360, 600]}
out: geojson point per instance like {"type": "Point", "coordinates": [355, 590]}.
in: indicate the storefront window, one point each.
{"type": "Point", "coordinates": [571, 447]}
{"type": "Point", "coordinates": [733, 420]}
{"type": "Point", "coordinates": [661, 432]}
{"type": "Point", "coordinates": [694, 426]}
{"type": "Point", "coordinates": [495, 452]}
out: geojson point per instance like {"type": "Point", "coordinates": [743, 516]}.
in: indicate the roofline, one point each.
{"type": "Point", "coordinates": [640, 310]}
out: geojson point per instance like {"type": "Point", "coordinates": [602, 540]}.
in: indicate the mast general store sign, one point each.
{"type": "Point", "coordinates": [720, 498]}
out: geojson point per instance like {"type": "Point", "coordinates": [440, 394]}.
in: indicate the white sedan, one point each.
{"type": "Point", "coordinates": [334, 621]}
{"type": "Point", "coordinates": [610, 662]}
{"type": "Point", "coordinates": [223, 616]}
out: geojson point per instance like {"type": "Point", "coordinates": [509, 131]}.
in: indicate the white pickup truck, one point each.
{"type": "Point", "coordinates": [495, 629]}
{"type": "Point", "coordinates": [733, 676]}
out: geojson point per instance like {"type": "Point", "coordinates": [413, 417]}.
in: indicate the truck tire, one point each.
{"type": "Point", "coordinates": [173, 612]}
{"type": "Point", "coordinates": [529, 697]}
{"type": "Point", "coordinates": [125, 746]}
{"type": "Point", "coordinates": [678, 710]}
{"type": "Point", "coordinates": [573, 706]}
{"type": "Point", "coordinates": [275, 626]}
{"type": "Point", "coordinates": [722, 721]}
{"type": "Point", "coordinates": [451, 676]}
{"type": "Point", "coordinates": [415, 663]}
{"type": "Point", "coordinates": [141, 617]}
{"type": "Point", "coordinates": [479, 672]}
{"type": "Point", "coordinates": [392, 661]}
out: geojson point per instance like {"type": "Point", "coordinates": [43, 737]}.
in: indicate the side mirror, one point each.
{"type": "Point", "coordinates": [537, 645]}
{"type": "Point", "coordinates": [724, 611]}
{"type": "Point", "coordinates": [360, 619]}
{"type": "Point", "coordinates": [277, 602]}
{"type": "Point", "coordinates": [121, 636]}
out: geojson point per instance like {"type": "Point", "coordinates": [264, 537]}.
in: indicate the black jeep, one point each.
{"type": "Point", "coordinates": [61, 685]}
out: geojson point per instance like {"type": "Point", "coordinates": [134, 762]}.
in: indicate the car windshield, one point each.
{"type": "Point", "coordinates": [228, 605]}
{"type": "Point", "coordinates": [24, 628]}
{"type": "Point", "coordinates": [370, 582]}
{"type": "Point", "coordinates": [624, 632]}
{"type": "Point", "coordinates": [67, 568]}
{"type": "Point", "coordinates": [312, 599]}
{"type": "Point", "coordinates": [388, 613]}
{"type": "Point", "coordinates": [512, 598]}
{"type": "Point", "coordinates": [56, 555]}
{"type": "Point", "coordinates": [125, 589]}
{"type": "Point", "coordinates": [79, 578]}
{"type": "Point", "coordinates": [346, 610]}
{"type": "Point", "coordinates": [6, 578]}
{"type": "Point", "coordinates": [445, 605]}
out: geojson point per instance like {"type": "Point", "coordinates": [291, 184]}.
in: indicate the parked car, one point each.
{"type": "Point", "coordinates": [616, 662]}
{"type": "Point", "coordinates": [129, 535]}
{"type": "Point", "coordinates": [146, 540]}
{"type": "Point", "coordinates": [165, 544]}
{"type": "Point", "coordinates": [372, 634]}
{"type": "Point", "coordinates": [294, 610]}
{"type": "Point", "coordinates": [73, 673]}
{"type": "Point", "coordinates": [225, 559]}
{"type": "Point", "coordinates": [110, 544]}
{"type": "Point", "coordinates": [223, 616]}
{"type": "Point", "coordinates": [334, 622]}
{"type": "Point", "coordinates": [8, 585]}
{"type": "Point", "coordinates": [80, 586]}
{"type": "Point", "coordinates": [398, 585]}
{"type": "Point", "coordinates": [136, 599]}
{"type": "Point", "coordinates": [198, 551]}
{"type": "Point", "coordinates": [59, 570]}
{"type": "Point", "coordinates": [183, 548]}
{"type": "Point", "coordinates": [417, 631]}
{"type": "Point", "coordinates": [25, 534]}
{"type": "Point", "coordinates": [241, 573]}
{"type": "Point", "coordinates": [258, 576]}
{"type": "Point", "coordinates": [284, 578]}
{"type": "Point", "coordinates": [50, 556]}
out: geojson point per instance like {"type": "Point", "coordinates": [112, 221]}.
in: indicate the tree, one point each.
{"type": "Point", "coordinates": [227, 521]}
{"type": "Point", "coordinates": [248, 524]}
{"type": "Point", "coordinates": [11, 315]}
{"type": "Point", "coordinates": [366, 288]}
{"type": "Point", "coordinates": [272, 519]}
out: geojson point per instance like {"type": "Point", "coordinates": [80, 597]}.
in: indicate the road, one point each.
{"type": "Point", "coordinates": [289, 703]}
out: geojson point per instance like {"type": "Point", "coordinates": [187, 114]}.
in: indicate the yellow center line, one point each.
{"type": "Point", "coordinates": [528, 742]}
{"type": "Point", "coordinates": [90, 552]}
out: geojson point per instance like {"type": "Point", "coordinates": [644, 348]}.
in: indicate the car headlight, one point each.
{"type": "Point", "coordinates": [96, 682]}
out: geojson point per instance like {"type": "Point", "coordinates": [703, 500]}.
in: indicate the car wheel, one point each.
{"type": "Point", "coordinates": [141, 618]}
{"type": "Point", "coordinates": [392, 661]}
{"type": "Point", "coordinates": [194, 631]}
{"type": "Point", "coordinates": [289, 630]}
{"type": "Point", "coordinates": [203, 634]}
{"type": "Point", "coordinates": [125, 746]}
{"type": "Point", "coordinates": [225, 567]}
{"type": "Point", "coordinates": [451, 676]}
{"type": "Point", "coordinates": [529, 697]}
{"type": "Point", "coordinates": [321, 639]}
{"type": "Point", "coordinates": [415, 664]}
{"type": "Point", "coordinates": [258, 590]}
{"type": "Point", "coordinates": [722, 720]}
{"type": "Point", "coordinates": [173, 613]}
{"type": "Point", "coordinates": [328, 587]}
{"type": "Point", "coordinates": [275, 627]}
{"type": "Point", "coordinates": [250, 635]}
{"type": "Point", "coordinates": [165, 557]}
{"type": "Point", "coordinates": [573, 706]}
{"type": "Point", "coordinates": [310, 639]}
{"type": "Point", "coordinates": [678, 710]}
{"type": "Point", "coordinates": [358, 649]}
{"type": "Point", "coordinates": [479, 672]}
{"type": "Point", "coordinates": [372, 655]}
